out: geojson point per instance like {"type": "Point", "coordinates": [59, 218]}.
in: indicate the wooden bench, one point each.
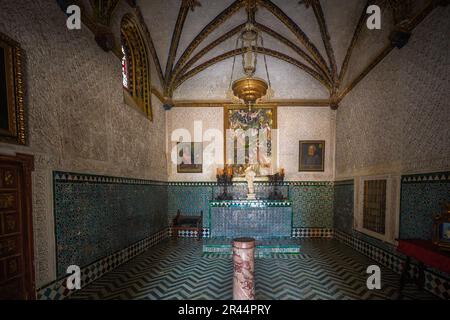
{"type": "Point", "coordinates": [192, 223]}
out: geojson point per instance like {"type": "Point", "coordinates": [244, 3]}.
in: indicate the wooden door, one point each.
{"type": "Point", "coordinates": [16, 236]}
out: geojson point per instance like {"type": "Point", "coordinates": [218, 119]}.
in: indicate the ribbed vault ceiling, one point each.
{"type": "Point", "coordinates": [318, 49]}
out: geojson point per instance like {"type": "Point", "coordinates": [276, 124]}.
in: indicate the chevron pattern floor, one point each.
{"type": "Point", "coordinates": [177, 269]}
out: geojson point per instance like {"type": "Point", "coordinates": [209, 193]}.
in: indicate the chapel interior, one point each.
{"type": "Point", "coordinates": [225, 149]}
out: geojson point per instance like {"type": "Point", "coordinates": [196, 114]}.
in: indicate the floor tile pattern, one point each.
{"type": "Point", "coordinates": [177, 269]}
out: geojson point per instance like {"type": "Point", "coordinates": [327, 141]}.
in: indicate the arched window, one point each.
{"type": "Point", "coordinates": [135, 66]}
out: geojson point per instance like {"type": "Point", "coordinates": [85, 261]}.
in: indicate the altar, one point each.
{"type": "Point", "coordinates": [268, 221]}
{"type": "Point", "coordinates": [259, 219]}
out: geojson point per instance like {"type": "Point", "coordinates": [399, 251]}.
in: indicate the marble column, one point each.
{"type": "Point", "coordinates": [244, 269]}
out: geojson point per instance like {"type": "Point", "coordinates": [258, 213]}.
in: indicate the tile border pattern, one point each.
{"type": "Point", "coordinates": [312, 233]}
{"type": "Point", "coordinates": [296, 233]}
{"type": "Point", "coordinates": [426, 177]}
{"type": "Point", "coordinates": [61, 176]}
{"type": "Point", "coordinates": [285, 183]}
{"type": "Point", "coordinates": [434, 283]}
{"type": "Point", "coordinates": [57, 290]}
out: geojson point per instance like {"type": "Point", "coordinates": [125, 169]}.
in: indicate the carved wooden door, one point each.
{"type": "Point", "coordinates": [16, 238]}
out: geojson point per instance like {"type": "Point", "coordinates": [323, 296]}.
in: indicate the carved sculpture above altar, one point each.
{"type": "Point", "coordinates": [250, 176]}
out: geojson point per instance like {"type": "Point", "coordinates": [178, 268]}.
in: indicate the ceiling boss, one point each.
{"type": "Point", "coordinates": [250, 89]}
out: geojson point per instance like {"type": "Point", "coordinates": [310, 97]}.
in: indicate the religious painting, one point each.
{"type": "Point", "coordinates": [250, 139]}
{"type": "Point", "coordinates": [12, 114]}
{"type": "Point", "coordinates": [190, 155]}
{"type": "Point", "coordinates": [312, 156]}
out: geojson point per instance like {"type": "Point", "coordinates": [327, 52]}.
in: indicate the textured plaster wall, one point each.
{"type": "Point", "coordinates": [294, 123]}
{"type": "Point", "coordinates": [305, 123]}
{"type": "Point", "coordinates": [184, 118]}
{"type": "Point", "coordinates": [288, 81]}
{"type": "Point", "coordinates": [397, 119]}
{"type": "Point", "coordinates": [77, 118]}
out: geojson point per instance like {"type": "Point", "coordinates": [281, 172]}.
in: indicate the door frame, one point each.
{"type": "Point", "coordinates": [26, 162]}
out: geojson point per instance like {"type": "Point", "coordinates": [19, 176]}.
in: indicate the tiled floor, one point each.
{"type": "Point", "coordinates": [177, 269]}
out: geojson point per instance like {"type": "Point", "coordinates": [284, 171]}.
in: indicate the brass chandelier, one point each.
{"type": "Point", "coordinates": [250, 89]}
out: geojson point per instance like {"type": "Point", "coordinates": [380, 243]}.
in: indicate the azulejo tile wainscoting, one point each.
{"type": "Point", "coordinates": [101, 222]}
{"type": "Point", "coordinates": [312, 202]}
{"type": "Point", "coordinates": [58, 290]}
{"type": "Point", "coordinates": [96, 216]}
{"type": "Point", "coordinates": [421, 196]}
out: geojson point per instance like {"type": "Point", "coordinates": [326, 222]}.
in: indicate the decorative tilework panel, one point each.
{"type": "Point", "coordinates": [312, 205]}
{"type": "Point", "coordinates": [312, 201]}
{"type": "Point", "coordinates": [58, 290]}
{"type": "Point", "coordinates": [312, 233]}
{"type": "Point", "coordinates": [436, 282]}
{"type": "Point", "coordinates": [343, 206]}
{"type": "Point", "coordinates": [421, 199]}
{"type": "Point", "coordinates": [95, 217]}
{"type": "Point", "coordinates": [251, 222]}
{"type": "Point", "coordinates": [190, 199]}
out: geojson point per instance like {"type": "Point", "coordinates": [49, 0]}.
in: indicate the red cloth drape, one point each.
{"type": "Point", "coordinates": [424, 251]}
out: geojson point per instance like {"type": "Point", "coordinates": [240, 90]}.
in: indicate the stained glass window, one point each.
{"type": "Point", "coordinates": [124, 69]}
{"type": "Point", "coordinates": [135, 66]}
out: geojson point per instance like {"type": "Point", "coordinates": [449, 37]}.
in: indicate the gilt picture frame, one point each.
{"type": "Point", "coordinates": [311, 156]}
{"type": "Point", "coordinates": [191, 157]}
{"type": "Point", "coordinates": [12, 92]}
{"type": "Point", "coordinates": [240, 118]}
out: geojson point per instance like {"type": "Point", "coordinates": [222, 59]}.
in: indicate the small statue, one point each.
{"type": "Point", "coordinates": [250, 176]}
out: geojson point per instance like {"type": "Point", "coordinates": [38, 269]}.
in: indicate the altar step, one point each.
{"type": "Point", "coordinates": [264, 247]}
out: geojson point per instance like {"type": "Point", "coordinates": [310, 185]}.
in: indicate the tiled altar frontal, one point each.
{"type": "Point", "coordinates": [250, 218]}
{"type": "Point", "coordinates": [312, 201]}
{"type": "Point", "coordinates": [96, 216]}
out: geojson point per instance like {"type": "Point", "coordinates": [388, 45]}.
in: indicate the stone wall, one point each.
{"type": "Point", "coordinates": [76, 116]}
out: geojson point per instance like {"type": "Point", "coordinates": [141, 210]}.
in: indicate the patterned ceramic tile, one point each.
{"type": "Point", "coordinates": [312, 205]}
{"type": "Point", "coordinates": [325, 269]}
{"type": "Point", "coordinates": [386, 255]}
{"type": "Point", "coordinates": [312, 201]}
{"type": "Point", "coordinates": [421, 198]}
{"type": "Point", "coordinates": [96, 216]}
{"type": "Point", "coordinates": [58, 289]}
{"type": "Point", "coordinates": [343, 205]}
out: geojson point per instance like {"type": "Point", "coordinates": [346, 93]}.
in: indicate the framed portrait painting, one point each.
{"type": "Point", "coordinates": [12, 113]}
{"type": "Point", "coordinates": [311, 156]}
{"type": "Point", "coordinates": [190, 155]}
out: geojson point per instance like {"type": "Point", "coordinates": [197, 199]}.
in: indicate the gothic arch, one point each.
{"type": "Point", "coordinates": [135, 66]}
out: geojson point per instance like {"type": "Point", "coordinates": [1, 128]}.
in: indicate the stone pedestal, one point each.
{"type": "Point", "coordinates": [244, 268]}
